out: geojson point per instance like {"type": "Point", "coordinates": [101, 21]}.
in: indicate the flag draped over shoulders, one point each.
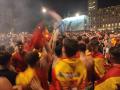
{"type": "Point", "coordinates": [68, 74]}
{"type": "Point", "coordinates": [24, 78]}
{"type": "Point", "coordinates": [99, 63]}
{"type": "Point", "coordinates": [111, 80]}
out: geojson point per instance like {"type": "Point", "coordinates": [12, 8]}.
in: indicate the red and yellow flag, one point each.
{"type": "Point", "coordinates": [111, 80]}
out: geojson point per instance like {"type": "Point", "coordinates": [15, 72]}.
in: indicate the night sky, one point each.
{"type": "Point", "coordinates": [67, 7]}
{"type": "Point", "coordinates": [107, 3]}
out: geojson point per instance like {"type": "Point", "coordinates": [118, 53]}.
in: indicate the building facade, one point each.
{"type": "Point", "coordinates": [92, 5]}
{"type": "Point", "coordinates": [103, 18]}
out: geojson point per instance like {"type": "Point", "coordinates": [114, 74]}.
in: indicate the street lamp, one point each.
{"type": "Point", "coordinates": [77, 14]}
{"type": "Point", "coordinates": [44, 10]}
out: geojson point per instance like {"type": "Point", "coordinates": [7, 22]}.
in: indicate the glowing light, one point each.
{"type": "Point", "coordinates": [81, 17]}
{"type": "Point", "coordinates": [77, 14]}
{"type": "Point", "coordinates": [112, 31]}
{"type": "Point", "coordinates": [44, 10]}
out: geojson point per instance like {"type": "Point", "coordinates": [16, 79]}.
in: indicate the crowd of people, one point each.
{"type": "Point", "coordinates": [87, 60]}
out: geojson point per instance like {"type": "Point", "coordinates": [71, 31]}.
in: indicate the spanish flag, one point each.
{"type": "Point", "coordinates": [38, 38]}
{"type": "Point", "coordinates": [68, 74]}
{"type": "Point", "coordinates": [99, 63]}
{"type": "Point", "coordinates": [111, 80]}
{"type": "Point", "coordinates": [24, 78]}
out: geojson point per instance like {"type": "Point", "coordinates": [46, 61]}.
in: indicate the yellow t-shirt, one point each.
{"type": "Point", "coordinates": [70, 72]}
{"type": "Point", "coordinates": [24, 78]}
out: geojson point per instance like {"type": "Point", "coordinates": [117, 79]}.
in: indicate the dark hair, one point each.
{"type": "Point", "coordinates": [32, 58]}
{"type": "Point", "coordinates": [2, 48]}
{"type": "Point", "coordinates": [79, 38]}
{"type": "Point", "coordinates": [82, 47]}
{"type": "Point", "coordinates": [93, 45]}
{"type": "Point", "coordinates": [19, 43]}
{"type": "Point", "coordinates": [10, 49]}
{"type": "Point", "coordinates": [86, 40]}
{"type": "Point", "coordinates": [94, 39]}
{"type": "Point", "coordinates": [115, 53]}
{"type": "Point", "coordinates": [59, 42]}
{"type": "Point", "coordinates": [71, 47]}
{"type": "Point", "coordinates": [4, 58]}
{"type": "Point", "coordinates": [58, 50]}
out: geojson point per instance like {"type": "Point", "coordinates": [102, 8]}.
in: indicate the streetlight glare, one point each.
{"type": "Point", "coordinates": [44, 10]}
{"type": "Point", "coordinates": [77, 14]}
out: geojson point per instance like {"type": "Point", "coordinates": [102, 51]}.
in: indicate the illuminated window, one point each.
{"type": "Point", "coordinates": [109, 25]}
{"type": "Point", "coordinates": [112, 24]}
{"type": "Point", "coordinates": [113, 13]}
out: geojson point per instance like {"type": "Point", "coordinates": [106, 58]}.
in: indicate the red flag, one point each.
{"type": "Point", "coordinates": [47, 35]}
{"type": "Point", "coordinates": [38, 39]}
